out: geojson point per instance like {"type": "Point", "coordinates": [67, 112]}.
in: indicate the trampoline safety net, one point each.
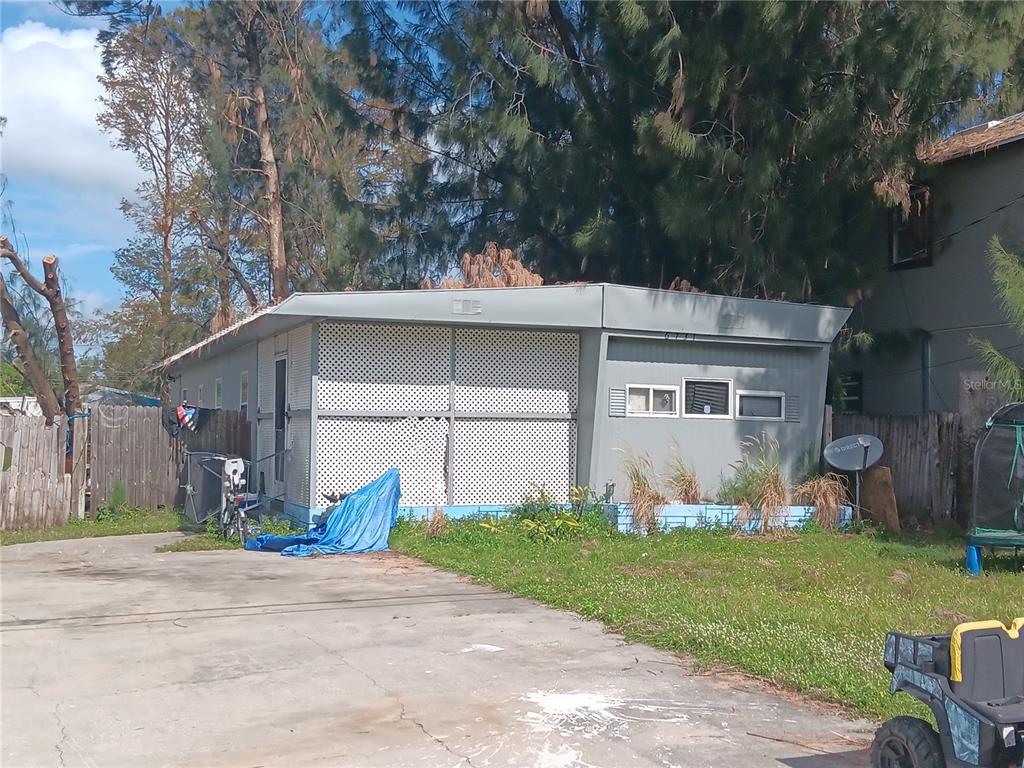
{"type": "Point", "coordinates": [997, 513]}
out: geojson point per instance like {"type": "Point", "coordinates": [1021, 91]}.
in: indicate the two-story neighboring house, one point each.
{"type": "Point", "coordinates": [937, 292]}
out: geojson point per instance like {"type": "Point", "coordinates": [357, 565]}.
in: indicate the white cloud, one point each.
{"type": "Point", "coordinates": [49, 95]}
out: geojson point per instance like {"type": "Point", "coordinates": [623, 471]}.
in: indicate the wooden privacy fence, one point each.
{"type": "Point", "coordinates": [130, 448]}
{"type": "Point", "coordinates": [41, 485]}
{"type": "Point", "coordinates": [35, 490]}
{"type": "Point", "coordinates": [923, 453]}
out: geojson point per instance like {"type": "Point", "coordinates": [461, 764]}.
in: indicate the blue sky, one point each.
{"type": "Point", "coordinates": [65, 182]}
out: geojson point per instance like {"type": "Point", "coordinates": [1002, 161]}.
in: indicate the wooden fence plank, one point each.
{"type": "Point", "coordinates": [922, 452]}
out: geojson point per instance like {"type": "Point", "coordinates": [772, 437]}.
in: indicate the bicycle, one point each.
{"type": "Point", "coordinates": [232, 520]}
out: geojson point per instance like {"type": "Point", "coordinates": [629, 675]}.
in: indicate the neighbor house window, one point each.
{"type": "Point", "coordinates": [762, 406]}
{"type": "Point", "coordinates": [199, 395]}
{"type": "Point", "coordinates": [708, 398]}
{"type": "Point", "coordinates": [652, 400]}
{"type": "Point", "coordinates": [910, 231]}
{"type": "Point", "coordinates": [184, 394]}
{"type": "Point", "coordinates": [218, 393]}
{"type": "Point", "coordinates": [243, 395]}
{"type": "Point", "coordinates": [849, 395]}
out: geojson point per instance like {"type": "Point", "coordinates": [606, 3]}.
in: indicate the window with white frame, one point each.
{"type": "Point", "coordinates": [707, 398]}
{"type": "Point", "coordinates": [218, 393]}
{"type": "Point", "coordinates": [243, 394]}
{"type": "Point", "coordinates": [652, 400]}
{"type": "Point", "coordinates": [199, 395]}
{"type": "Point", "coordinates": [760, 406]}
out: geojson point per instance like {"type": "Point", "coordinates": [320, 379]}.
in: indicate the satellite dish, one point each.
{"type": "Point", "coordinates": [854, 453]}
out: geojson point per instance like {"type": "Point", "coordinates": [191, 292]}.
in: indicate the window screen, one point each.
{"type": "Point", "coordinates": [652, 400]}
{"type": "Point", "coordinates": [706, 397]}
{"type": "Point", "coordinates": [759, 405]}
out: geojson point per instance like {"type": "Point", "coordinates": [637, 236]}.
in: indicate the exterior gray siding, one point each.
{"type": "Point", "coordinates": [709, 445]}
{"type": "Point", "coordinates": [478, 394]}
{"type": "Point", "coordinates": [952, 300]}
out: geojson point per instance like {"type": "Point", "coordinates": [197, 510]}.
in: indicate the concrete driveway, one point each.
{"type": "Point", "coordinates": [116, 656]}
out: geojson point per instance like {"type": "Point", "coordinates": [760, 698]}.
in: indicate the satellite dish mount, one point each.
{"type": "Point", "coordinates": [854, 454]}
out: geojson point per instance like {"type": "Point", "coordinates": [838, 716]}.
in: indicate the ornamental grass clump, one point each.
{"type": "Point", "coordinates": [757, 486]}
{"type": "Point", "coordinates": [644, 496]}
{"type": "Point", "coordinates": [683, 482]}
{"type": "Point", "coordinates": [827, 494]}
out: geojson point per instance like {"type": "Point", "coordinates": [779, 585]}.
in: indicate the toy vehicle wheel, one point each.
{"type": "Point", "coordinates": [906, 742]}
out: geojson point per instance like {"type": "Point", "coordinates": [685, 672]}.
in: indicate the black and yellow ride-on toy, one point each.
{"type": "Point", "coordinates": [973, 682]}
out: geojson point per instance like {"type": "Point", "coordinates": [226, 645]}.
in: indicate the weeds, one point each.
{"type": "Point", "coordinates": [438, 525]}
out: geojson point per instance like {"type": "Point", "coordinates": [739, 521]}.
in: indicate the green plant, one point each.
{"type": "Point", "coordinates": [535, 503]}
{"type": "Point", "coordinates": [1008, 275]}
{"type": "Point", "coordinates": [118, 497]}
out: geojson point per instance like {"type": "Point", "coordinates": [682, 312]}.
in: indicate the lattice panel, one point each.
{"type": "Point", "coordinates": [351, 452]}
{"type": "Point", "coordinates": [384, 367]}
{"type": "Point", "coordinates": [297, 461]}
{"type": "Point", "coordinates": [497, 461]}
{"type": "Point", "coordinates": [500, 371]}
{"type": "Point", "coordinates": [300, 351]}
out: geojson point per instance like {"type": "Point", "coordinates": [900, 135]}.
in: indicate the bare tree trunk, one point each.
{"type": "Point", "coordinates": [50, 290]}
{"type": "Point", "coordinates": [65, 341]}
{"type": "Point", "coordinates": [12, 322]}
{"type": "Point", "coordinates": [275, 211]}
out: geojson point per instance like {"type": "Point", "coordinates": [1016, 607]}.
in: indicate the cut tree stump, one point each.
{"type": "Point", "coordinates": [878, 499]}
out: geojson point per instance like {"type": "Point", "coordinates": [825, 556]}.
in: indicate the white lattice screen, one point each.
{"type": "Point", "coordinates": [497, 461]}
{"type": "Point", "coordinates": [384, 367]}
{"type": "Point", "coordinates": [353, 451]}
{"type": "Point", "coordinates": [500, 371]}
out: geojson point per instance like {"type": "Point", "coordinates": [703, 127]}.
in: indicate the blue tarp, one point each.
{"type": "Point", "coordinates": [360, 523]}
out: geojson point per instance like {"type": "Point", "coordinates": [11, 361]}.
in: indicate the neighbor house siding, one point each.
{"type": "Point", "coordinates": [951, 301]}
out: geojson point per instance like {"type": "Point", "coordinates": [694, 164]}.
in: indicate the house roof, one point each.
{"type": "Point", "coordinates": [618, 308]}
{"type": "Point", "coordinates": [972, 141]}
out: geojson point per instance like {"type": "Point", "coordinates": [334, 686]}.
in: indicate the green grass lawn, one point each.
{"type": "Point", "coordinates": [106, 523]}
{"type": "Point", "coordinates": [808, 611]}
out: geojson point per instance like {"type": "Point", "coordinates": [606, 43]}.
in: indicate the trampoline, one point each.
{"type": "Point", "coordinates": [997, 512]}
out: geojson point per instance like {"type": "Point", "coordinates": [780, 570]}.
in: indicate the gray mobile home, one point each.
{"type": "Point", "coordinates": [477, 395]}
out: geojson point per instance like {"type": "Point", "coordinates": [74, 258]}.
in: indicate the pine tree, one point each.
{"type": "Point", "coordinates": [744, 146]}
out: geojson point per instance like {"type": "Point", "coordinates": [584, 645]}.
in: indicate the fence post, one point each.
{"type": "Point", "coordinates": [79, 454]}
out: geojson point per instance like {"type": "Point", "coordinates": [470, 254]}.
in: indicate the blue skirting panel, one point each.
{"type": "Point", "coordinates": [672, 516]}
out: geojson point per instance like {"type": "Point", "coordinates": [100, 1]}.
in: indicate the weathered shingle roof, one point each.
{"type": "Point", "coordinates": [979, 139]}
